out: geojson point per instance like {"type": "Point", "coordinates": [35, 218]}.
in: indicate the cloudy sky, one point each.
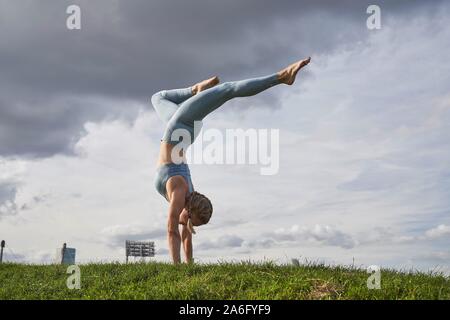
{"type": "Point", "coordinates": [364, 133]}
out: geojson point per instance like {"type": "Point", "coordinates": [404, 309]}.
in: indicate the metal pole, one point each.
{"type": "Point", "coordinates": [63, 251]}
{"type": "Point", "coordinates": [1, 250]}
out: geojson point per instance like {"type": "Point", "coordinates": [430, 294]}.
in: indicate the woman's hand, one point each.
{"type": "Point", "coordinates": [186, 237]}
{"type": "Point", "coordinates": [177, 201]}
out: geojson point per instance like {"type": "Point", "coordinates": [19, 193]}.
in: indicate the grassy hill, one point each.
{"type": "Point", "coordinates": [214, 281]}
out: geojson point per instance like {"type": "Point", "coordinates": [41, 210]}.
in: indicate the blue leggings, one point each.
{"type": "Point", "coordinates": [179, 108]}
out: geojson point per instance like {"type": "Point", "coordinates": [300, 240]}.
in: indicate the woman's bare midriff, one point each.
{"type": "Point", "coordinates": [165, 153]}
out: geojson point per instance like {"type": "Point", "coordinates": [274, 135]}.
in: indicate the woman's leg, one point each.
{"type": "Point", "coordinates": [166, 102]}
{"type": "Point", "coordinates": [200, 105]}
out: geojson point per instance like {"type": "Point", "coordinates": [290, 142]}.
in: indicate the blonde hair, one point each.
{"type": "Point", "coordinates": [200, 206]}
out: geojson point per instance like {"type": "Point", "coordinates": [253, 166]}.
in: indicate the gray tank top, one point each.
{"type": "Point", "coordinates": [166, 171]}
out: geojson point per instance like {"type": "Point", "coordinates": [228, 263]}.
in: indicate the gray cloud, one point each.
{"type": "Point", "coordinates": [9, 256]}
{"type": "Point", "coordinates": [261, 243]}
{"type": "Point", "coordinates": [127, 50]}
{"type": "Point", "coordinates": [223, 242]}
{"type": "Point", "coordinates": [378, 176]}
{"type": "Point", "coordinates": [437, 257]}
{"type": "Point", "coordinates": [27, 256]}
{"type": "Point", "coordinates": [34, 201]}
{"type": "Point", "coordinates": [9, 204]}
{"type": "Point", "coordinates": [324, 235]}
{"type": "Point", "coordinates": [115, 236]}
{"type": "Point", "coordinates": [8, 192]}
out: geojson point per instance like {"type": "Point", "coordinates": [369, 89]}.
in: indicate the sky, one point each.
{"type": "Point", "coordinates": [364, 175]}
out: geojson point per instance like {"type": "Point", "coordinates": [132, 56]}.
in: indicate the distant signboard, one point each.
{"type": "Point", "coordinates": [139, 249]}
{"type": "Point", "coordinates": [65, 255]}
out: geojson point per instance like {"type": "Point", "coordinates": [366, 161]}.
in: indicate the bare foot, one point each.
{"type": "Point", "coordinates": [287, 75]}
{"type": "Point", "coordinates": [205, 84]}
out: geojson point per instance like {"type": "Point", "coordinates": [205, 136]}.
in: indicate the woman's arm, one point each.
{"type": "Point", "coordinates": [173, 233]}
{"type": "Point", "coordinates": [186, 237]}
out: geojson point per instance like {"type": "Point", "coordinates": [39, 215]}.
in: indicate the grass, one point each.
{"type": "Point", "coordinates": [215, 281]}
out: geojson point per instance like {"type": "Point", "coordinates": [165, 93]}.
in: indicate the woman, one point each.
{"type": "Point", "coordinates": [179, 109]}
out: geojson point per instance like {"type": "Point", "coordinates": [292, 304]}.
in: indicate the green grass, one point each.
{"type": "Point", "coordinates": [215, 281]}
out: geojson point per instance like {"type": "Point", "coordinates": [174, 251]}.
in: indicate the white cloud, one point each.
{"type": "Point", "coordinates": [438, 232]}
{"type": "Point", "coordinates": [10, 180]}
